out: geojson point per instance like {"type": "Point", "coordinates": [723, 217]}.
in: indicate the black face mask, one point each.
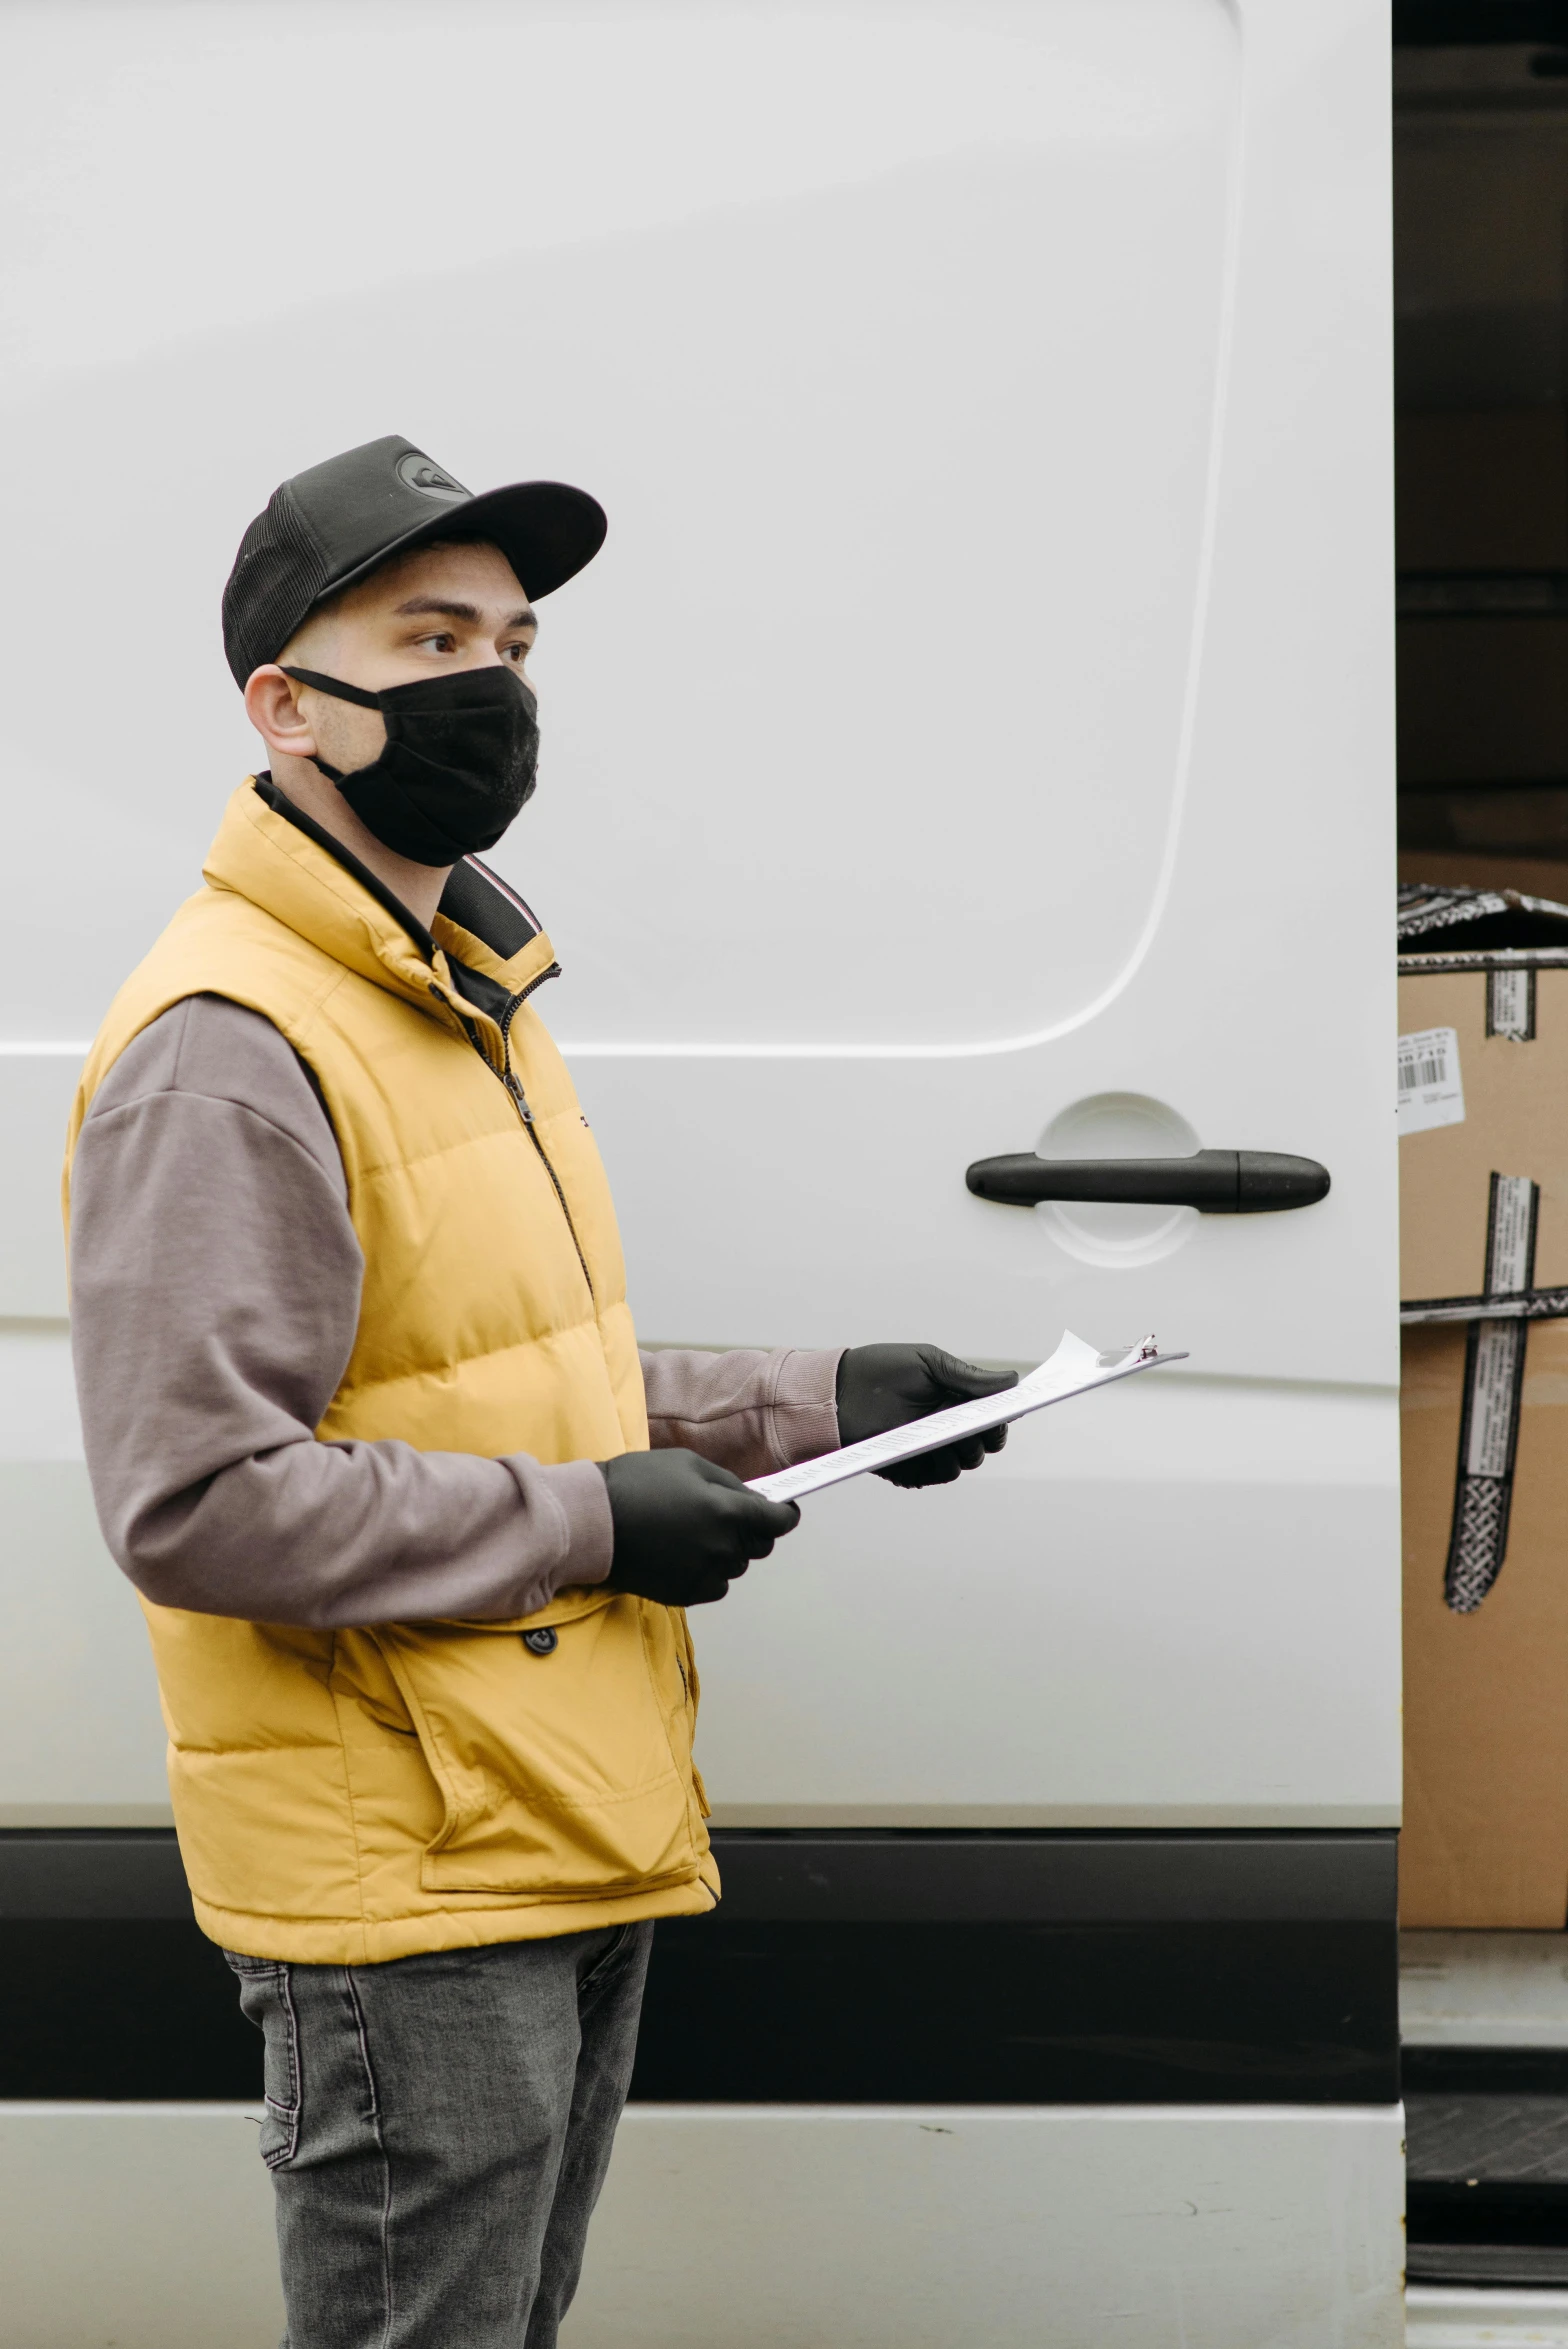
{"type": "Point", "coordinates": [460, 761]}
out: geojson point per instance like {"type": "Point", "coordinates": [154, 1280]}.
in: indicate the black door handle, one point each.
{"type": "Point", "coordinates": [1216, 1182]}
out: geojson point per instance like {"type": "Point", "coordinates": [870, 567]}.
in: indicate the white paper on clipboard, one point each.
{"type": "Point", "coordinates": [1073, 1369]}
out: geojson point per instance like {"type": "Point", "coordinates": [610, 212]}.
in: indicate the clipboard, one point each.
{"type": "Point", "coordinates": [1074, 1369]}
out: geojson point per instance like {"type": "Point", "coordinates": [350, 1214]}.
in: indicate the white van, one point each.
{"type": "Point", "coordinates": [976, 739]}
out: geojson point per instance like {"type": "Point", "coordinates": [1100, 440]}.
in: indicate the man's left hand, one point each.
{"type": "Point", "coordinates": [886, 1386]}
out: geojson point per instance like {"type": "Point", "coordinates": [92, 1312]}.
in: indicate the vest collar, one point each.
{"type": "Point", "coordinates": [292, 869]}
{"type": "Point", "coordinates": [282, 805]}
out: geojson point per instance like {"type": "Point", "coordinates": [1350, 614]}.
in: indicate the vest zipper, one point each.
{"type": "Point", "coordinates": [520, 1098]}
{"type": "Point", "coordinates": [520, 1104]}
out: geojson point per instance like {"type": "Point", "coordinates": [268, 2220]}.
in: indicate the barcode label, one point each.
{"type": "Point", "coordinates": [1430, 1091]}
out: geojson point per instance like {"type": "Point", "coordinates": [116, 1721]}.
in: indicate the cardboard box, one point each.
{"type": "Point", "coordinates": [1486, 1693]}
{"type": "Point", "coordinates": [1509, 1063]}
{"type": "Point", "coordinates": [1484, 1420]}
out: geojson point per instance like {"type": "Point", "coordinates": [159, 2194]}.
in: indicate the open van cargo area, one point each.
{"type": "Point", "coordinates": [1481, 194]}
{"type": "Point", "coordinates": [1481, 191]}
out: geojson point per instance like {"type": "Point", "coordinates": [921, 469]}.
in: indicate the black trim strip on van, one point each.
{"type": "Point", "coordinates": [80, 1872]}
{"type": "Point", "coordinates": [1010, 1968]}
{"type": "Point", "coordinates": [1037, 1877]}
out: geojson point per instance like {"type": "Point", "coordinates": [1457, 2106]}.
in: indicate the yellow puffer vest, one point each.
{"type": "Point", "coordinates": [346, 1797]}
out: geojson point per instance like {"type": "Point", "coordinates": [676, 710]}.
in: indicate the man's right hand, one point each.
{"type": "Point", "coordinates": [685, 1529]}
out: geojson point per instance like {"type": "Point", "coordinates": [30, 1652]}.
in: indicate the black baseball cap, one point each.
{"type": "Point", "coordinates": [333, 525]}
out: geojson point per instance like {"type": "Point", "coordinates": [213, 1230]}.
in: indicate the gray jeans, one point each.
{"type": "Point", "coordinates": [438, 2129]}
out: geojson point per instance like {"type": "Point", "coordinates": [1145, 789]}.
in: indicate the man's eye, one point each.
{"type": "Point", "coordinates": [438, 643]}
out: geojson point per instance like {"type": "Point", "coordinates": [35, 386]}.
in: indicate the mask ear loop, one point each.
{"type": "Point", "coordinates": [336, 687]}
{"type": "Point", "coordinates": [340, 692]}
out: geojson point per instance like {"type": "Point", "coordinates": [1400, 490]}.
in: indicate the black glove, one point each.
{"type": "Point", "coordinates": [885, 1386]}
{"type": "Point", "coordinates": [685, 1529]}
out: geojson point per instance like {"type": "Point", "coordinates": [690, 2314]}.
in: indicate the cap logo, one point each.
{"type": "Point", "coordinates": [417, 472]}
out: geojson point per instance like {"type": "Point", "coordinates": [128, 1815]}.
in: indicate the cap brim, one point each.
{"type": "Point", "coordinates": [546, 529]}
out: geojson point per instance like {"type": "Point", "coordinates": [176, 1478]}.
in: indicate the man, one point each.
{"type": "Point", "coordinates": [369, 1430]}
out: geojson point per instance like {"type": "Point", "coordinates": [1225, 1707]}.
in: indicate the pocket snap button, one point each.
{"type": "Point", "coordinates": [543, 1642]}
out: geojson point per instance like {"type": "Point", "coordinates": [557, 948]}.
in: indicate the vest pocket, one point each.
{"type": "Point", "coordinates": [563, 1772]}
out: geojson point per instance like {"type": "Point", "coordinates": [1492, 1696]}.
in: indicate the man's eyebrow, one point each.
{"type": "Point", "coordinates": [438, 607]}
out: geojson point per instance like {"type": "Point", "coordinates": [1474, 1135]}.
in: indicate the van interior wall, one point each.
{"type": "Point", "coordinates": [1481, 295]}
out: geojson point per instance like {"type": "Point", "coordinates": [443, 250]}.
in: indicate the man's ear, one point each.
{"type": "Point", "coordinates": [273, 710]}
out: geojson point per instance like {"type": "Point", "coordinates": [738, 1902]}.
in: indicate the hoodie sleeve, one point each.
{"type": "Point", "coordinates": [749, 1412]}
{"type": "Point", "coordinates": [215, 1289]}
